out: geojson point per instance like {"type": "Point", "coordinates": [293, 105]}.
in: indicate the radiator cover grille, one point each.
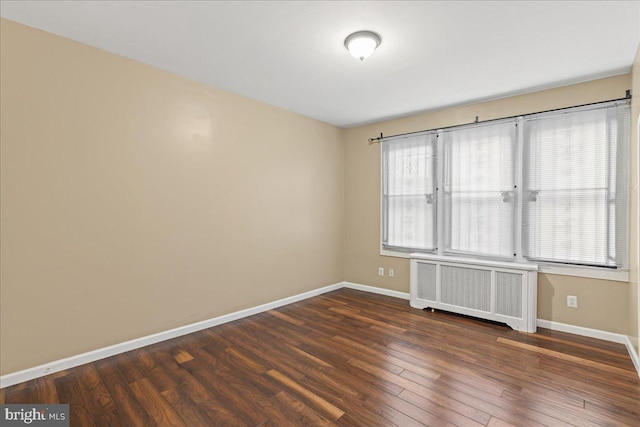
{"type": "Point", "coordinates": [427, 279]}
{"type": "Point", "coordinates": [499, 291]}
{"type": "Point", "coordinates": [509, 294]}
{"type": "Point", "coordinates": [466, 287]}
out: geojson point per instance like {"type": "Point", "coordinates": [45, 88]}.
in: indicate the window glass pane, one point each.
{"type": "Point", "coordinates": [410, 222]}
{"type": "Point", "coordinates": [409, 197]}
{"type": "Point", "coordinates": [480, 189]}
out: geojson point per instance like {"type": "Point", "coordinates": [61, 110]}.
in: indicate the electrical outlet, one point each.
{"type": "Point", "coordinates": [381, 271]}
{"type": "Point", "coordinates": [391, 272]}
{"type": "Point", "coordinates": [572, 301]}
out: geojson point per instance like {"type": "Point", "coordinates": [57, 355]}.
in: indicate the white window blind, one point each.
{"type": "Point", "coordinates": [409, 195]}
{"type": "Point", "coordinates": [479, 189]}
{"type": "Point", "coordinates": [575, 185]}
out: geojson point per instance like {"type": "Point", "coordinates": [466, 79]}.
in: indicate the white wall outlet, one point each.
{"type": "Point", "coordinates": [381, 271]}
{"type": "Point", "coordinates": [572, 301]}
{"type": "Point", "coordinates": [391, 272]}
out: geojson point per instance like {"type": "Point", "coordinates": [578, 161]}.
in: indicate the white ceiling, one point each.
{"type": "Point", "coordinates": [291, 54]}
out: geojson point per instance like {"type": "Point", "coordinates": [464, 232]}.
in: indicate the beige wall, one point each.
{"type": "Point", "coordinates": [134, 200]}
{"type": "Point", "coordinates": [602, 304]}
{"type": "Point", "coordinates": [634, 226]}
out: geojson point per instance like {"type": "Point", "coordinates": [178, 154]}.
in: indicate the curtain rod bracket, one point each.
{"type": "Point", "coordinates": [376, 140]}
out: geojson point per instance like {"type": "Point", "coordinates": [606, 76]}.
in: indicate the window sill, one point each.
{"type": "Point", "coordinates": [589, 272]}
{"type": "Point", "coordinates": [561, 270]}
{"type": "Point", "coordinates": [396, 254]}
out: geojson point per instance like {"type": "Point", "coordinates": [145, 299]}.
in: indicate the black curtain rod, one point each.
{"type": "Point", "coordinates": [381, 137]}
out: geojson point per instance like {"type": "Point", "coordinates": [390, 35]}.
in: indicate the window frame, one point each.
{"type": "Point", "coordinates": [608, 110]}
{"type": "Point", "coordinates": [384, 199]}
{"type": "Point", "coordinates": [447, 202]}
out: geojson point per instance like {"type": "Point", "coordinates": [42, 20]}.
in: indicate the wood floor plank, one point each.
{"type": "Point", "coordinates": [451, 411]}
{"type": "Point", "coordinates": [398, 380]}
{"type": "Point", "coordinates": [309, 356]}
{"type": "Point", "coordinates": [124, 363]}
{"type": "Point", "coordinates": [224, 395]}
{"type": "Point", "coordinates": [333, 412]}
{"type": "Point", "coordinates": [611, 411]}
{"type": "Point", "coordinates": [367, 319]}
{"type": "Point", "coordinates": [182, 356]}
{"type": "Point", "coordinates": [46, 390]}
{"type": "Point", "coordinates": [619, 357]}
{"type": "Point", "coordinates": [179, 375]}
{"type": "Point", "coordinates": [191, 387]}
{"type": "Point", "coordinates": [98, 398]}
{"type": "Point", "coordinates": [391, 414]}
{"type": "Point", "coordinates": [267, 354]}
{"type": "Point", "coordinates": [347, 381]}
{"type": "Point", "coordinates": [19, 395]}
{"type": "Point", "coordinates": [497, 422]}
{"type": "Point", "coordinates": [571, 358]}
{"type": "Point", "coordinates": [607, 391]}
{"type": "Point", "coordinates": [146, 363]}
{"type": "Point", "coordinates": [349, 358]}
{"type": "Point", "coordinates": [252, 378]}
{"type": "Point", "coordinates": [220, 415]}
{"type": "Point", "coordinates": [567, 413]}
{"type": "Point", "coordinates": [130, 410]}
{"type": "Point", "coordinates": [465, 372]}
{"type": "Point", "coordinates": [417, 413]}
{"type": "Point", "coordinates": [622, 385]}
{"type": "Point", "coordinates": [348, 391]}
{"type": "Point", "coordinates": [189, 412]}
{"type": "Point", "coordinates": [372, 355]}
{"type": "Point", "coordinates": [69, 391]}
{"type": "Point", "coordinates": [155, 405]}
{"type": "Point", "coordinates": [307, 415]}
{"type": "Point", "coordinates": [285, 317]}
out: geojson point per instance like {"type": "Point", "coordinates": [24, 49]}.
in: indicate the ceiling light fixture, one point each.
{"type": "Point", "coordinates": [361, 44]}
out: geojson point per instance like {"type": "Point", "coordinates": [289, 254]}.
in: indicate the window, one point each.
{"type": "Point", "coordinates": [575, 186]}
{"type": "Point", "coordinates": [409, 193]}
{"type": "Point", "coordinates": [548, 187]}
{"type": "Point", "coordinates": [479, 189]}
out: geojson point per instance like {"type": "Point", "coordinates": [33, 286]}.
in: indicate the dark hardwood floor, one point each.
{"type": "Point", "coordinates": [350, 358]}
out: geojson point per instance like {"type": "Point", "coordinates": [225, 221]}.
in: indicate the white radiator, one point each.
{"type": "Point", "coordinates": [500, 291]}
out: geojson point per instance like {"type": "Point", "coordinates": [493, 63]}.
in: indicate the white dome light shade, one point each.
{"type": "Point", "coordinates": [362, 44]}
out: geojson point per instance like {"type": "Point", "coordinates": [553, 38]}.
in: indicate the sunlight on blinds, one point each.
{"type": "Point", "coordinates": [575, 186]}
{"type": "Point", "coordinates": [480, 189]}
{"type": "Point", "coordinates": [409, 197]}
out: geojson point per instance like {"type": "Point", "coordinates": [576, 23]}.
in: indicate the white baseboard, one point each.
{"type": "Point", "coordinates": [634, 356]}
{"type": "Point", "coordinates": [91, 356]}
{"type": "Point", "coordinates": [593, 333]}
{"type": "Point", "coordinates": [375, 290]}
{"type": "Point", "coordinates": [579, 330]}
